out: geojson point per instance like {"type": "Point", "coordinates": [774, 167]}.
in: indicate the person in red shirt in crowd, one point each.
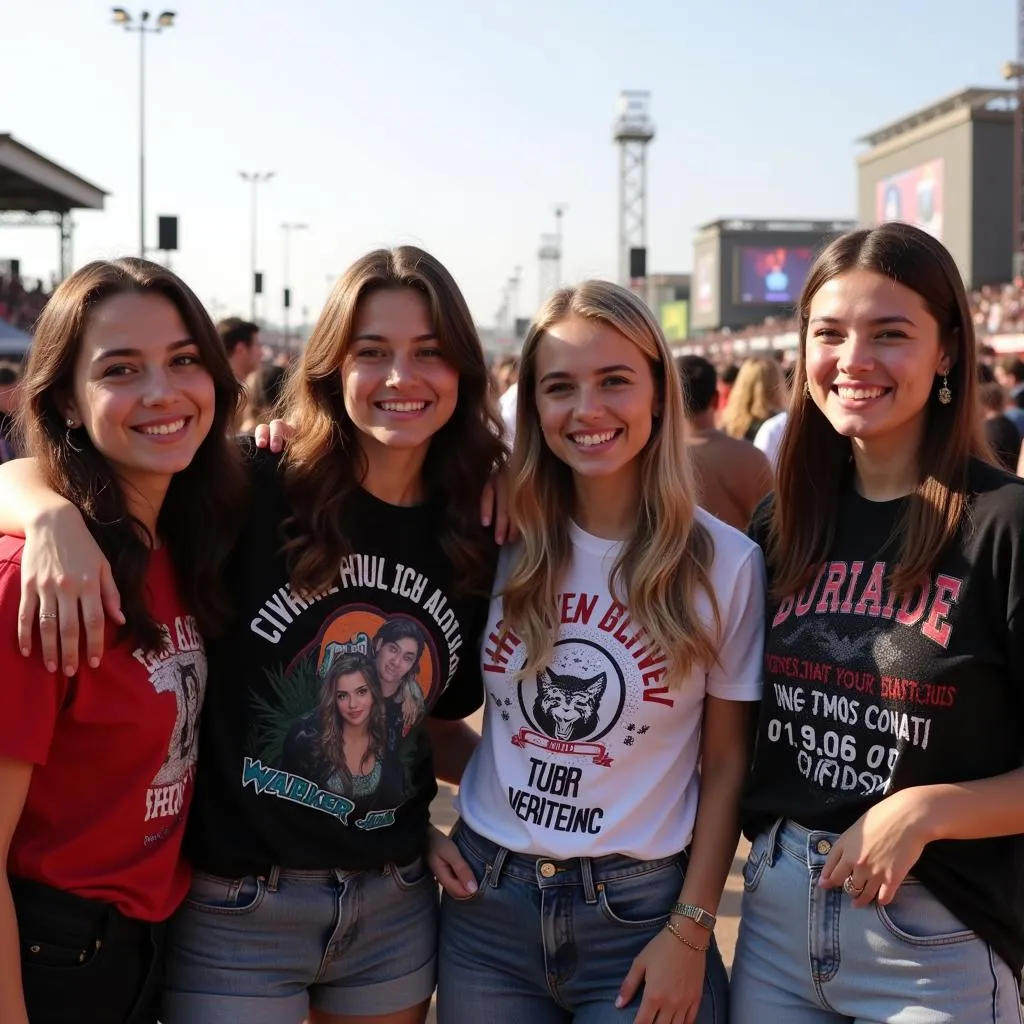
{"type": "Point", "coordinates": [127, 399]}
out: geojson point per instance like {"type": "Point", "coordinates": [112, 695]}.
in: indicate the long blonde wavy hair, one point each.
{"type": "Point", "coordinates": [668, 558]}
{"type": "Point", "coordinates": [758, 394]}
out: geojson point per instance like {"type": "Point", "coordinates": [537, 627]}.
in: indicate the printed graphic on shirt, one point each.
{"type": "Point", "coordinates": [840, 700]}
{"type": "Point", "coordinates": [335, 732]}
{"type": "Point", "coordinates": [178, 668]}
{"type": "Point", "coordinates": [594, 700]}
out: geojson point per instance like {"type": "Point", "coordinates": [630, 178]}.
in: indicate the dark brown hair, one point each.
{"type": "Point", "coordinates": [201, 507]}
{"type": "Point", "coordinates": [814, 459]}
{"type": "Point", "coordinates": [324, 463]}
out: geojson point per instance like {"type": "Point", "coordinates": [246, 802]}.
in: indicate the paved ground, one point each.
{"type": "Point", "coordinates": [443, 815]}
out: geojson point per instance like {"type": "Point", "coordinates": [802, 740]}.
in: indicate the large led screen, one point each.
{"type": "Point", "coordinates": [772, 275]}
{"type": "Point", "coordinates": [913, 197]}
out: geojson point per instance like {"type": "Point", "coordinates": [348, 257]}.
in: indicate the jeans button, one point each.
{"type": "Point", "coordinates": [824, 846]}
{"type": "Point", "coordinates": [547, 869]}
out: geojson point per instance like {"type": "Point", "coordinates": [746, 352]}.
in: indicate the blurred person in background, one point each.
{"type": "Point", "coordinates": [1002, 434]}
{"type": "Point", "coordinates": [506, 373]}
{"type": "Point", "coordinates": [726, 381]}
{"type": "Point", "coordinates": [1009, 372]}
{"type": "Point", "coordinates": [758, 394]}
{"type": "Point", "coordinates": [9, 374]}
{"type": "Point", "coordinates": [264, 389]}
{"type": "Point", "coordinates": [241, 340]}
{"type": "Point", "coordinates": [732, 475]}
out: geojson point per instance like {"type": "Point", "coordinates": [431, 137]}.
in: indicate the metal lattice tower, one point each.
{"type": "Point", "coordinates": [633, 131]}
{"type": "Point", "coordinates": [549, 257]}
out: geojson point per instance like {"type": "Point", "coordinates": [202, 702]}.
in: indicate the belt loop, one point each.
{"type": "Point", "coordinates": [773, 842]}
{"type": "Point", "coordinates": [273, 878]}
{"type": "Point", "coordinates": [496, 868]}
{"type": "Point", "coordinates": [587, 874]}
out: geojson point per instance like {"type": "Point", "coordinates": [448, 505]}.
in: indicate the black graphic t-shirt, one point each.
{"type": "Point", "coordinates": [313, 753]}
{"type": "Point", "coordinates": [866, 694]}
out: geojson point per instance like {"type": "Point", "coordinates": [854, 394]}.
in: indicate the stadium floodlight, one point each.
{"type": "Point", "coordinates": [121, 16]}
{"type": "Point", "coordinates": [166, 19]}
{"type": "Point", "coordinates": [1012, 71]}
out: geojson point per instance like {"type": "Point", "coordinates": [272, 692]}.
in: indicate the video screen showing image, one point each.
{"type": "Point", "coordinates": [773, 275]}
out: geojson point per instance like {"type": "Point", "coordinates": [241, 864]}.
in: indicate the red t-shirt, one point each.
{"type": "Point", "coordinates": [114, 750]}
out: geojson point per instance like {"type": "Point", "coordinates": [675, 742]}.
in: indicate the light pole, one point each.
{"type": "Point", "coordinates": [286, 295]}
{"type": "Point", "coordinates": [255, 178]}
{"type": "Point", "coordinates": [164, 20]}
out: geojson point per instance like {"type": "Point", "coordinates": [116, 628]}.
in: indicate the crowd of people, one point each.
{"type": "Point", "coordinates": [676, 633]}
{"type": "Point", "coordinates": [21, 301]}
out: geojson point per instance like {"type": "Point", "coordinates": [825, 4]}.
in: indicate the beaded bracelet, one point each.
{"type": "Point", "coordinates": [684, 940]}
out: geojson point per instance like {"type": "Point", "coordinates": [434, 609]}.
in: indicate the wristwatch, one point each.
{"type": "Point", "coordinates": [698, 915]}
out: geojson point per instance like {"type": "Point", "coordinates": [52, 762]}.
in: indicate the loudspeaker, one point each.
{"type": "Point", "coordinates": [257, 284]}
{"type": "Point", "coordinates": [287, 298]}
{"type": "Point", "coordinates": [637, 263]}
{"type": "Point", "coordinates": [167, 229]}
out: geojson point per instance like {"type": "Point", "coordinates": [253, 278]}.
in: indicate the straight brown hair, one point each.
{"type": "Point", "coordinates": [814, 459]}
{"type": "Point", "coordinates": [198, 518]}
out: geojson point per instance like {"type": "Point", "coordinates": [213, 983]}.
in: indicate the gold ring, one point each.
{"type": "Point", "coordinates": [850, 889]}
{"type": "Point", "coordinates": [47, 615]}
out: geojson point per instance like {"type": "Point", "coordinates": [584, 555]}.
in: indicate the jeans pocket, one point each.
{"type": "Point", "coordinates": [62, 953]}
{"type": "Point", "coordinates": [757, 859]}
{"type": "Point", "coordinates": [217, 895]}
{"type": "Point", "coordinates": [916, 917]}
{"type": "Point", "coordinates": [640, 901]}
{"type": "Point", "coordinates": [410, 876]}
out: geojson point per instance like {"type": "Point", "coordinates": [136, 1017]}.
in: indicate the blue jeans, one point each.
{"type": "Point", "coordinates": [265, 949]}
{"type": "Point", "coordinates": [806, 955]}
{"type": "Point", "coordinates": [548, 942]}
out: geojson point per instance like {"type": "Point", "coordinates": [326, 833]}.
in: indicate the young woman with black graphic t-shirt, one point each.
{"type": "Point", "coordinates": [623, 648]}
{"type": "Point", "coordinates": [362, 548]}
{"type": "Point", "coordinates": [128, 398]}
{"type": "Point", "coordinates": [886, 798]}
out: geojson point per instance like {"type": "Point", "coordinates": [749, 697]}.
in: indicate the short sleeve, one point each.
{"type": "Point", "coordinates": [30, 696]}
{"type": "Point", "coordinates": [737, 675]}
{"type": "Point", "coordinates": [465, 693]}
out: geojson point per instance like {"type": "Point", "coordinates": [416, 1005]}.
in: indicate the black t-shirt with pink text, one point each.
{"type": "Point", "coordinates": [866, 694]}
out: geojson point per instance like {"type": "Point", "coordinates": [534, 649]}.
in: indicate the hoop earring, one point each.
{"type": "Point", "coordinates": [945, 395]}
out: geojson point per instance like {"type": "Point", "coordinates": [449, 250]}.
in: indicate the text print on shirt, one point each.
{"type": "Point", "coordinates": [580, 709]}
{"type": "Point", "coordinates": [848, 684]}
{"type": "Point", "coordinates": [179, 667]}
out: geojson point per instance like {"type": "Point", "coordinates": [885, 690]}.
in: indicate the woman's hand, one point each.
{"type": "Point", "coordinates": [672, 975]}
{"type": "Point", "coordinates": [410, 712]}
{"type": "Point", "coordinates": [64, 577]}
{"type": "Point", "coordinates": [494, 507]}
{"type": "Point", "coordinates": [449, 866]}
{"type": "Point", "coordinates": [877, 852]}
{"type": "Point", "coordinates": [275, 434]}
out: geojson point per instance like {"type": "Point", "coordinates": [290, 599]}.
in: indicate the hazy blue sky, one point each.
{"type": "Point", "coordinates": [456, 125]}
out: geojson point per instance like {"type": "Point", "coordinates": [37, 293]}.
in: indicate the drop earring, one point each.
{"type": "Point", "coordinates": [945, 395]}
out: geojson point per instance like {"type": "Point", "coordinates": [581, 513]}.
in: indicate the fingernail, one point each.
{"type": "Point", "coordinates": [120, 617]}
{"type": "Point", "coordinates": [619, 1002]}
{"type": "Point", "coordinates": [69, 670]}
{"type": "Point", "coordinates": [24, 651]}
{"type": "Point", "coordinates": [94, 662]}
{"type": "Point", "coordinates": [260, 443]}
{"type": "Point", "coordinates": [486, 520]}
{"type": "Point", "coordinates": [51, 666]}
{"type": "Point", "coordinates": [471, 886]}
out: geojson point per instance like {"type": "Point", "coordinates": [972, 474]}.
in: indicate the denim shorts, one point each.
{"type": "Point", "coordinates": [806, 955]}
{"type": "Point", "coordinates": [264, 950]}
{"type": "Point", "coordinates": [541, 939]}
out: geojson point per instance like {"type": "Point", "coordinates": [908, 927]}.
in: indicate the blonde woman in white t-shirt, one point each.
{"type": "Point", "coordinates": [623, 647]}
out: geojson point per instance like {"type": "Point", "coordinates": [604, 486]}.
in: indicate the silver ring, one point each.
{"type": "Point", "coordinates": [47, 615]}
{"type": "Point", "coordinates": [850, 889]}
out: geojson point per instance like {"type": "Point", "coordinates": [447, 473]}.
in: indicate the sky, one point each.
{"type": "Point", "coordinates": [457, 125]}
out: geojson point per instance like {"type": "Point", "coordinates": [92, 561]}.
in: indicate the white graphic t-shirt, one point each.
{"type": "Point", "coordinates": [597, 754]}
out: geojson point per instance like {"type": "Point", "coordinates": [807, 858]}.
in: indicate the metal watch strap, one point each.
{"type": "Point", "coordinates": [698, 915]}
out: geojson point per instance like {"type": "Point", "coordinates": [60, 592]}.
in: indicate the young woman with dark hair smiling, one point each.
{"type": "Point", "coordinates": [886, 799]}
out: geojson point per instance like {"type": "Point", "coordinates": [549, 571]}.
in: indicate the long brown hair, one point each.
{"type": "Point", "coordinates": [331, 737]}
{"type": "Point", "coordinates": [814, 459]}
{"type": "Point", "coordinates": [667, 561]}
{"type": "Point", "coordinates": [758, 394]}
{"type": "Point", "coordinates": [324, 463]}
{"type": "Point", "coordinates": [198, 516]}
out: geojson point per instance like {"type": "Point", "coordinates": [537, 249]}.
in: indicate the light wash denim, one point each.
{"type": "Point", "coordinates": [806, 955]}
{"type": "Point", "coordinates": [550, 942]}
{"type": "Point", "coordinates": [263, 950]}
